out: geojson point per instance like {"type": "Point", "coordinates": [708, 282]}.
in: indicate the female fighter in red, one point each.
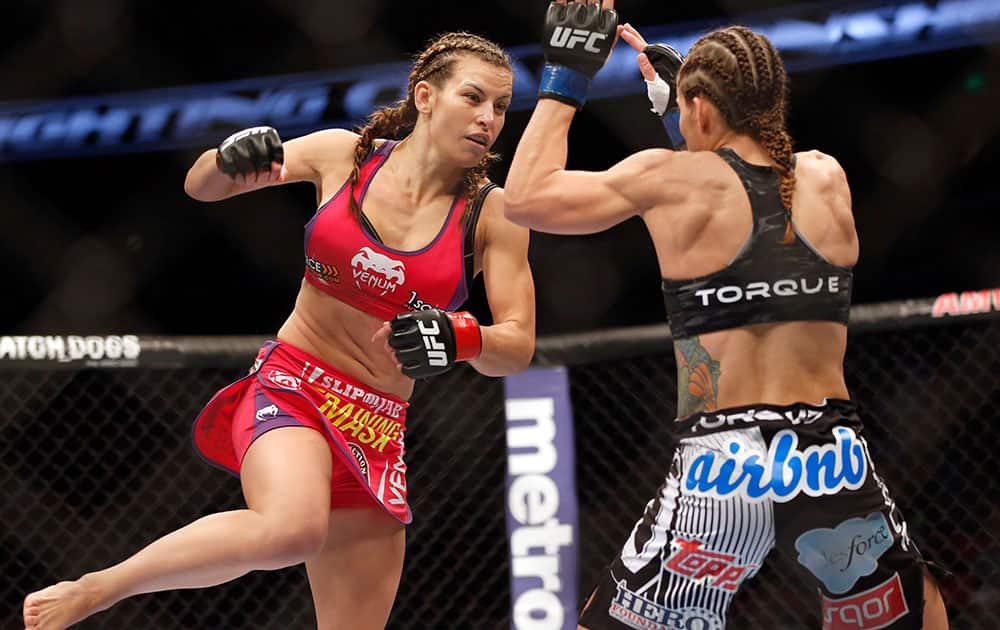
{"type": "Point", "coordinates": [316, 430]}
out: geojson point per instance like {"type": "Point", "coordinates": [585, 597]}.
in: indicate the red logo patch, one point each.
{"type": "Point", "coordinates": [875, 608]}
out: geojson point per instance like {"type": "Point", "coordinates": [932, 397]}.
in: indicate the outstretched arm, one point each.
{"type": "Point", "coordinates": [254, 158]}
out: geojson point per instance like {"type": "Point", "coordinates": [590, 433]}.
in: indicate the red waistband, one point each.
{"type": "Point", "coordinates": [318, 372]}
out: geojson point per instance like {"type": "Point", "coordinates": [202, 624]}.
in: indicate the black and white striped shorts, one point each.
{"type": "Point", "coordinates": [742, 481]}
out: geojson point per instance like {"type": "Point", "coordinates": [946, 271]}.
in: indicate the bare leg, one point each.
{"type": "Point", "coordinates": [286, 482]}
{"type": "Point", "coordinates": [354, 578]}
{"type": "Point", "coordinates": [590, 600]}
{"type": "Point", "coordinates": [935, 614]}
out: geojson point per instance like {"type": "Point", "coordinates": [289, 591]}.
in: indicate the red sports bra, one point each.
{"type": "Point", "coordinates": [348, 261]}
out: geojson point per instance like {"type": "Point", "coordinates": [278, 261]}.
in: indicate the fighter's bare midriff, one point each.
{"type": "Point", "coordinates": [779, 363]}
{"type": "Point", "coordinates": [341, 336]}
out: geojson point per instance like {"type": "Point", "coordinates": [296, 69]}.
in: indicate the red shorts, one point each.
{"type": "Point", "coordinates": [288, 387]}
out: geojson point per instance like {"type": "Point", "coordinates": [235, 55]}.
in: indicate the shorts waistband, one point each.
{"type": "Point", "coordinates": [779, 416]}
{"type": "Point", "coordinates": [317, 372]}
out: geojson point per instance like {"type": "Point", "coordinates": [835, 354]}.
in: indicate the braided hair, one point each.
{"type": "Point", "coordinates": [434, 64]}
{"type": "Point", "coordinates": [741, 73]}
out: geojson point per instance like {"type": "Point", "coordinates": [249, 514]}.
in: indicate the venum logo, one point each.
{"type": "Point", "coordinates": [376, 271]}
{"type": "Point", "coordinates": [568, 38]}
{"type": "Point", "coordinates": [271, 411]}
{"type": "Point", "coordinates": [436, 351]}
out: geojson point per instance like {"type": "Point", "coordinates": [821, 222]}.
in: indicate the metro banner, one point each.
{"type": "Point", "coordinates": [540, 500]}
{"type": "Point", "coordinates": [808, 36]}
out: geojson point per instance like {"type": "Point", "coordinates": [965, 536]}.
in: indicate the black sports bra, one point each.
{"type": "Point", "coordinates": [766, 280]}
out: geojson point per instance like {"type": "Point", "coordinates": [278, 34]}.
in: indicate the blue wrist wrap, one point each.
{"type": "Point", "coordinates": [563, 84]}
{"type": "Point", "coordinates": [672, 123]}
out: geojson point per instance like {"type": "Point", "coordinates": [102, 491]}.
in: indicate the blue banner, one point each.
{"type": "Point", "coordinates": [808, 36]}
{"type": "Point", "coordinates": [541, 501]}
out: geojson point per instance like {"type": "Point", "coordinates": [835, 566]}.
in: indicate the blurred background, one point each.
{"type": "Point", "coordinates": [105, 104]}
{"type": "Point", "coordinates": [99, 236]}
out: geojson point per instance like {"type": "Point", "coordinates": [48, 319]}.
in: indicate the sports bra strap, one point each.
{"type": "Point", "coordinates": [469, 242]}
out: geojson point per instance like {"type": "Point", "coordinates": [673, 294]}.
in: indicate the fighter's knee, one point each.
{"type": "Point", "coordinates": [293, 540]}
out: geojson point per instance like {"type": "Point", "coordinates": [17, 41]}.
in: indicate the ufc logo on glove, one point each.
{"type": "Point", "coordinates": [436, 354]}
{"type": "Point", "coordinates": [566, 37]}
{"type": "Point", "coordinates": [429, 342]}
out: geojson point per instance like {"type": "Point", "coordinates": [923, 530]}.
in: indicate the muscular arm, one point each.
{"type": "Point", "coordinates": [543, 195]}
{"type": "Point", "coordinates": [305, 159]}
{"type": "Point", "coordinates": [824, 184]}
{"type": "Point", "coordinates": [509, 343]}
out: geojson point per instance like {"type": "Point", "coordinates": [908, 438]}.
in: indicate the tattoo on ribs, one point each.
{"type": "Point", "coordinates": [697, 378]}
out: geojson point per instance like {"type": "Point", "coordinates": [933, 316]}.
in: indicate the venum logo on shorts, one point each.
{"type": "Point", "coordinates": [841, 556]}
{"type": "Point", "coordinates": [397, 478]}
{"type": "Point", "coordinates": [716, 570]}
{"type": "Point", "coordinates": [635, 611]}
{"type": "Point", "coordinates": [784, 472]}
{"type": "Point", "coordinates": [283, 380]}
{"type": "Point", "coordinates": [271, 411]}
{"type": "Point", "coordinates": [875, 608]}
{"type": "Point", "coordinates": [359, 456]}
{"type": "Point", "coordinates": [376, 271]}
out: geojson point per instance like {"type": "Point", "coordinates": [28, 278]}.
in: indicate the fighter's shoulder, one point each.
{"type": "Point", "coordinates": [325, 145]}
{"type": "Point", "coordinates": [819, 165]}
{"type": "Point", "coordinates": [665, 161]}
{"type": "Point", "coordinates": [491, 197]}
{"type": "Point", "coordinates": [493, 223]}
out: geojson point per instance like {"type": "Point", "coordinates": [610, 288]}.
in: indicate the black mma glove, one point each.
{"type": "Point", "coordinates": [577, 41]}
{"type": "Point", "coordinates": [249, 152]}
{"type": "Point", "coordinates": [429, 342]}
{"type": "Point", "coordinates": [662, 90]}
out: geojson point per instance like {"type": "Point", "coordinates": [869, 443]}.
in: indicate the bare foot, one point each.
{"type": "Point", "coordinates": [59, 606]}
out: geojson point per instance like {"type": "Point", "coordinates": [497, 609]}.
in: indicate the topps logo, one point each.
{"type": "Point", "coordinates": [565, 37]}
{"type": "Point", "coordinates": [436, 354]}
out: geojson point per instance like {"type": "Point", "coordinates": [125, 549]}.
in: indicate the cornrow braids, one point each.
{"type": "Point", "coordinates": [435, 64]}
{"type": "Point", "coordinates": [741, 73]}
